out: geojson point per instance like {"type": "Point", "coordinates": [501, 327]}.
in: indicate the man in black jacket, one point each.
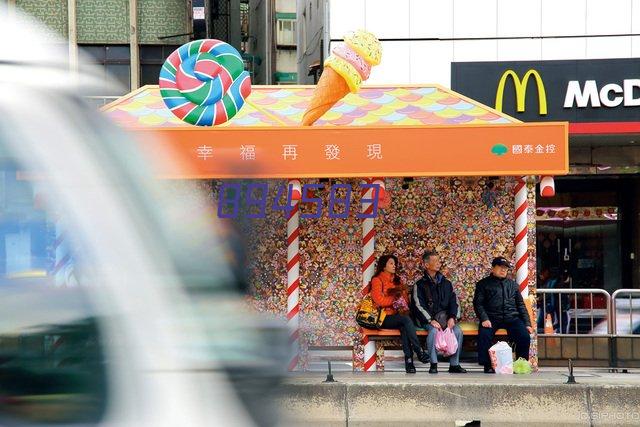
{"type": "Point", "coordinates": [435, 306]}
{"type": "Point", "coordinates": [499, 304]}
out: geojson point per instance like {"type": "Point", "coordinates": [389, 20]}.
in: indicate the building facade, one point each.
{"type": "Point", "coordinates": [103, 33]}
{"type": "Point", "coordinates": [312, 39]}
{"type": "Point", "coordinates": [485, 49]}
{"type": "Point", "coordinates": [273, 41]}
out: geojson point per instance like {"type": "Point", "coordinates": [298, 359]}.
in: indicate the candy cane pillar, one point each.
{"type": "Point", "coordinates": [522, 255]}
{"type": "Point", "coordinates": [368, 258]}
{"type": "Point", "coordinates": [293, 276]}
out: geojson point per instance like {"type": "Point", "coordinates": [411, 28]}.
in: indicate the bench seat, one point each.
{"type": "Point", "coordinates": [468, 329]}
{"type": "Point", "coordinates": [389, 337]}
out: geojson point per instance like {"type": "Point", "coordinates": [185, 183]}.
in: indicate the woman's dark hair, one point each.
{"type": "Point", "coordinates": [382, 262]}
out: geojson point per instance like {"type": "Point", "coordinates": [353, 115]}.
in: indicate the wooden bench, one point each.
{"type": "Point", "coordinates": [380, 336]}
{"type": "Point", "coordinates": [468, 329]}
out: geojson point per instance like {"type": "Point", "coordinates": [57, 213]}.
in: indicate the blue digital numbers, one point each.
{"type": "Point", "coordinates": [229, 195]}
{"type": "Point", "coordinates": [261, 202]}
{"type": "Point", "coordinates": [316, 200]}
{"type": "Point", "coordinates": [373, 201]}
{"type": "Point", "coordinates": [345, 201]}
{"type": "Point", "coordinates": [254, 202]}
{"type": "Point", "coordinates": [287, 207]}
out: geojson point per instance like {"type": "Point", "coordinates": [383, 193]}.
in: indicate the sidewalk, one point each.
{"type": "Point", "coordinates": [394, 398]}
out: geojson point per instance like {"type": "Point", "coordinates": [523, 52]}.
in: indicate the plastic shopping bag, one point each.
{"type": "Point", "coordinates": [501, 358]}
{"type": "Point", "coordinates": [441, 342]}
{"type": "Point", "coordinates": [521, 366]}
{"type": "Point", "coordinates": [446, 342]}
{"type": "Point", "coordinates": [452, 342]}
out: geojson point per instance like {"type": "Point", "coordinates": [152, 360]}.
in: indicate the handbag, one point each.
{"type": "Point", "coordinates": [369, 315]}
{"type": "Point", "coordinates": [441, 318]}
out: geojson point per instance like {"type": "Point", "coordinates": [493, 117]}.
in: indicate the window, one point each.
{"type": "Point", "coordinates": [113, 63]}
{"type": "Point", "coordinates": [286, 32]}
{"type": "Point", "coordinates": [151, 60]}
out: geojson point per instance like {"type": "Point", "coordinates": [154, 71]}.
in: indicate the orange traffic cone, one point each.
{"type": "Point", "coordinates": [548, 325]}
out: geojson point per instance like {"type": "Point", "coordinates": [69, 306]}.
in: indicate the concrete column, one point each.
{"type": "Point", "coordinates": [11, 6]}
{"type": "Point", "coordinates": [268, 40]}
{"type": "Point", "coordinates": [133, 44]}
{"type": "Point", "coordinates": [72, 23]}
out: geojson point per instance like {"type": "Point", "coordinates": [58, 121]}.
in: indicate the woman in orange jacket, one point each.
{"type": "Point", "coordinates": [389, 293]}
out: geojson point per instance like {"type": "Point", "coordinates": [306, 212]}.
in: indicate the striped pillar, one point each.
{"type": "Point", "coordinates": [368, 258]}
{"type": "Point", "coordinates": [522, 255]}
{"type": "Point", "coordinates": [293, 279]}
{"type": "Point", "coordinates": [62, 269]}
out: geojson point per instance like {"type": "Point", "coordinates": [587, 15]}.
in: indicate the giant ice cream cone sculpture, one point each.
{"type": "Point", "coordinates": [344, 71]}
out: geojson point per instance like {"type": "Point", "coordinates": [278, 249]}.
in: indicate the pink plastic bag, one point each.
{"type": "Point", "coordinates": [446, 342]}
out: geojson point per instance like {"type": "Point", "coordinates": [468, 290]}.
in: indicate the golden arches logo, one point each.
{"type": "Point", "coordinates": [521, 90]}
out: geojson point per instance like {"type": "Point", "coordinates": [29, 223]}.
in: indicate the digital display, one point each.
{"type": "Point", "coordinates": [252, 198]}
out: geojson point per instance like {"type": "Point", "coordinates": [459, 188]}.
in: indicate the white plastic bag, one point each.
{"type": "Point", "coordinates": [501, 357]}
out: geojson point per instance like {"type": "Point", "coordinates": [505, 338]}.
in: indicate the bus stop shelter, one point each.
{"type": "Point", "coordinates": [381, 134]}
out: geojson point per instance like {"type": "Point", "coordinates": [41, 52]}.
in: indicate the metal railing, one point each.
{"type": "Point", "coordinates": [565, 316]}
{"type": "Point", "coordinates": [633, 321]}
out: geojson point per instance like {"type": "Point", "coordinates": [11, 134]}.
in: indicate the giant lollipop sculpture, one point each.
{"type": "Point", "coordinates": [204, 83]}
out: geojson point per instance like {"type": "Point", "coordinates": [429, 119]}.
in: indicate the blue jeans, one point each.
{"type": "Point", "coordinates": [454, 359]}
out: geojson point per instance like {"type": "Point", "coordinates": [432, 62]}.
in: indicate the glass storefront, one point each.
{"type": "Point", "coordinates": [585, 250]}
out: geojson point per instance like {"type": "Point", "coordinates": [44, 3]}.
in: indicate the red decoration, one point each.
{"type": "Point", "coordinates": [547, 187]}
{"type": "Point", "coordinates": [384, 199]}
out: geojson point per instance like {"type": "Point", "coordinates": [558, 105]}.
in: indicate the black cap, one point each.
{"type": "Point", "coordinates": [501, 261]}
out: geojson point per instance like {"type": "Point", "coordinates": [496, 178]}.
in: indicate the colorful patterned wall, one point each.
{"type": "Point", "coordinates": [467, 220]}
{"type": "Point", "coordinates": [103, 21]}
{"type": "Point", "coordinates": [107, 21]}
{"type": "Point", "coordinates": [53, 13]}
{"type": "Point", "coordinates": [159, 18]}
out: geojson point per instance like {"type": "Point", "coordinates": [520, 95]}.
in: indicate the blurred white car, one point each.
{"type": "Point", "coordinates": [117, 302]}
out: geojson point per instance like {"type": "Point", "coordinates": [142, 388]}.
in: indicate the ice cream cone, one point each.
{"type": "Point", "coordinates": [331, 88]}
{"type": "Point", "coordinates": [344, 71]}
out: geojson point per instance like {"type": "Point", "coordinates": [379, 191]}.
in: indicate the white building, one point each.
{"type": "Point", "coordinates": [584, 57]}
{"type": "Point", "coordinates": [271, 42]}
{"type": "Point", "coordinates": [421, 38]}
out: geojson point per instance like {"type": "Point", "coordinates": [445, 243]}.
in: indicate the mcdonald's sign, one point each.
{"type": "Point", "coordinates": [591, 90]}
{"type": "Point", "coordinates": [521, 90]}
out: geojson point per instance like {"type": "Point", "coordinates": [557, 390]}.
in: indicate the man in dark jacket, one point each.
{"type": "Point", "coordinates": [435, 306]}
{"type": "Point", "coordinates": [499, 304]}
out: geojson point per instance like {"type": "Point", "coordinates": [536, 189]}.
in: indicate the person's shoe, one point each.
{"type": "Point", "coordinates": [457, 369]}
{"type": "Point", "coordinates": [488, 369]}
{"type": "Point", "coordinates": [433, 369]}
{"type": "Point", "coordinates": [423, 356]}
{"type": "Point", "coordinates": [408, 366]}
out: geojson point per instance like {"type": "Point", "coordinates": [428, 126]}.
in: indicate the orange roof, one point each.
{"type": "Point", "coordinates": [284, 106]}
{"type": "Point", "coordinates": [380, 131]}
